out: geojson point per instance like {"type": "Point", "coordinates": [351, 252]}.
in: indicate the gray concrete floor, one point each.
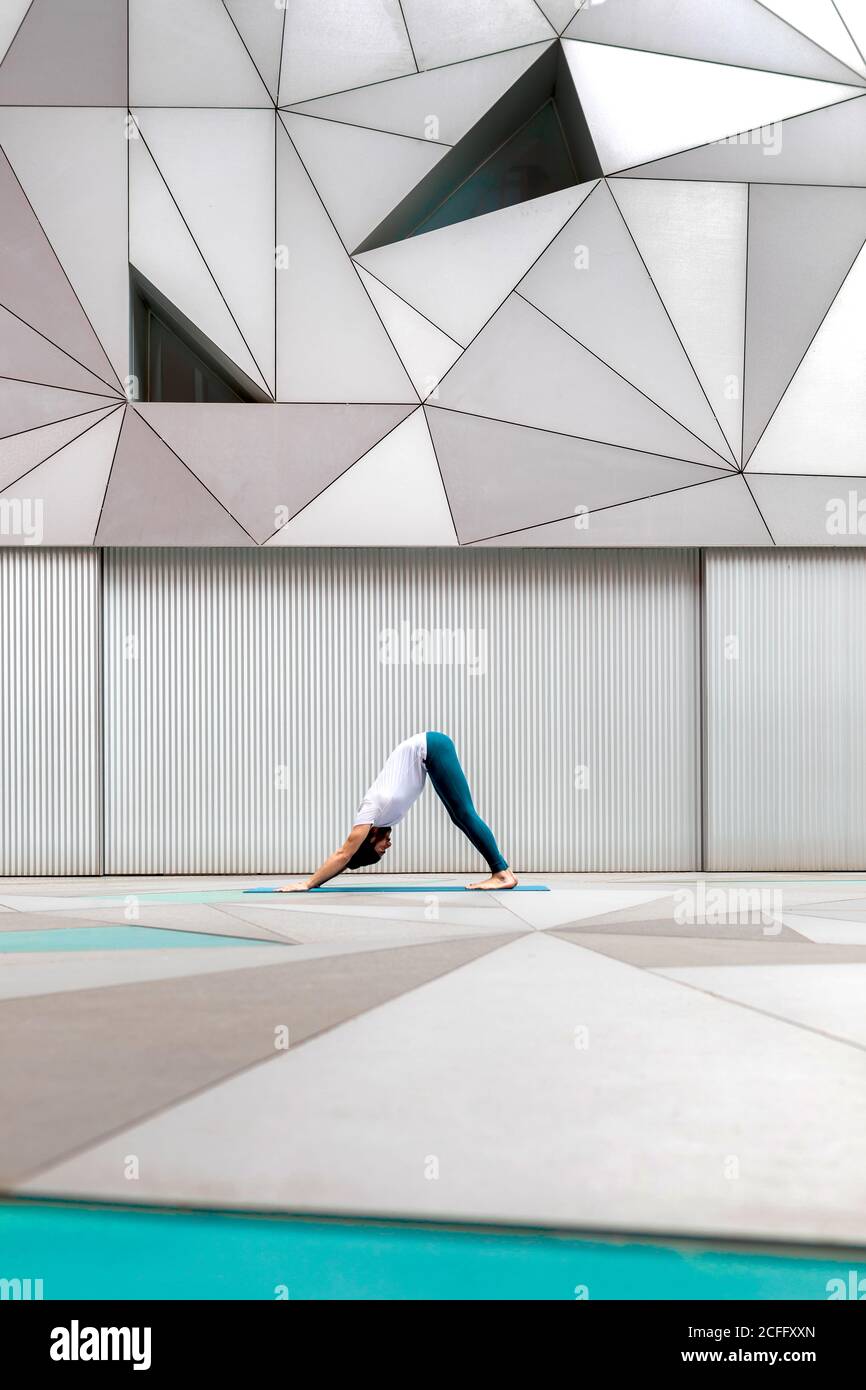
{"type": "Point", "coordinates": [636, 1053]}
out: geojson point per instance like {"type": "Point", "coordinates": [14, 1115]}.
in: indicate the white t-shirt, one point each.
{"type": "Point", "coordinates": [398, 785]}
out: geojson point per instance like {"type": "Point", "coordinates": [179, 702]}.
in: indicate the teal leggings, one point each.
{"type": "Point", "coordinates": [450, 785]}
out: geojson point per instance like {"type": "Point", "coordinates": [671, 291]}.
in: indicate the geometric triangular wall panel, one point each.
{"type": "Point", "coordinates": [639, 297]}
{"type": "Point", "coordinates": [426, 352]}
{"type": "Point", "coordinates": [820, 423]}
{"type": "Point", "coordinates": [69, 54]}
{"type": "Point", "coordinates": [451, 31]}
{"type": "Point", "coordinates": [786, 224]}
{"type": "Point", "coordinates": [704, 102]}
{"type": "Point", "coordinates": [68, 489]}
{"type": "Point", "coordinates": [458, 276]}
{"type": "Point", "coordinates": [218, 167]}
{"type": "Point", "coordinates": [299, 450]}
{"type": "Point", "coordinates": [523, 368]}
{"type": "Point", "coordinates": [440, 105]}
{"type": "Point", "coordinates": [163, 250]}
{"type": "Point", "coordinates": [34, 285]}
{"type": "Point", "coordinates": [824, 24]}
{"type": "Point", "coordinates": [503, 478]}
{"type": "Point", "coordinates": [822, 147]}
{"type": "Point", "coordinates": [693, 240]}
{"type": "Point", "coordinates": [741, 32]}
{"type": "Point", "coordinates": [25, 450]}
{"type": "Point", "coordinates": [401, 468]}
{"type": "Point", "coordinates": [191, 54]}
{"type": "Point", "coordinates": [592, 282]}
{"type": "Point", "coordinates": [150, 490]}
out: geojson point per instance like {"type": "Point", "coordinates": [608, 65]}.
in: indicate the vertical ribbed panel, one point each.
{"type": "Point", "coordinates": [247, 707]}
{"type": "Point", "coordinates": [786, 716]}
{"type": "Point", "coordinates": [50, 812]}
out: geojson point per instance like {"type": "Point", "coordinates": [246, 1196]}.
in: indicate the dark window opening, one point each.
{"type": "Point", "coordinates": [533, 141]}
{"type": "Point", "coordinates": [173, 361]}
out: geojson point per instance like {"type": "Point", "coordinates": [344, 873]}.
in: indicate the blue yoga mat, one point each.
{"type": "Point", "coordinates": [391, 888]}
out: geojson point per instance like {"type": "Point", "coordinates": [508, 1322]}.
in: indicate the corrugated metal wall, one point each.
{"type": "Point", "coordinates": [248, 704]}
{"type": "Point", "coordinates": [785, 710]}
{"type": "Point", "coordinates": [50, 773]}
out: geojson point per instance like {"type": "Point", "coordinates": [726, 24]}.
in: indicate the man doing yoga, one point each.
{"type": "Point", "coordinates": [394, 791]}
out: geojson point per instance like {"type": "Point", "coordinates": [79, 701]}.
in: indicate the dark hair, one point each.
{"type": "Point", "coordinates": [365, 853]}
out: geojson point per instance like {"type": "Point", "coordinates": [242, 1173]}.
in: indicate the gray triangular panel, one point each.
{"type": "Point", "coordinates": [802, 243]}
{"type": "Point", "coordinates": [502, 477]}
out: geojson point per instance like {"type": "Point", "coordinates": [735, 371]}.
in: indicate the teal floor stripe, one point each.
{"type": "Point", "coordinates": [102, 1253]}
{"type": "Point", "coordinates": [115, 939]}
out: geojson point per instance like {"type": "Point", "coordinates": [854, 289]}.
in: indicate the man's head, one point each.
{"type": "Point", "coordinates": [370, 851]}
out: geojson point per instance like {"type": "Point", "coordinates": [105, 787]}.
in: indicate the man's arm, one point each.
{"type": "Point", "coordinates": [334, 864]}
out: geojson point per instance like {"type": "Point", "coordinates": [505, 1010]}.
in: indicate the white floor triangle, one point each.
{"type": "Point", "coordinates": [620, 91]}
{"type": "Point", "coordinates": [457, 276]}
{"type": "Point", "coordinates": [426, 352]}
{"type": "Point", "coordinates": [392, 496]}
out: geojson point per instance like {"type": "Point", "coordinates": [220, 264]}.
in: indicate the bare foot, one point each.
{"type": "Point", "coordinates": [504, 879]}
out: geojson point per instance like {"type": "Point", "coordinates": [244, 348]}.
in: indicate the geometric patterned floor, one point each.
{"type": "Point", "coordinates": [623, 1053]}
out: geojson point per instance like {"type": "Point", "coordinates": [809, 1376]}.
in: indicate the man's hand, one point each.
{"type": "Point", "coordinates": [294, 888]}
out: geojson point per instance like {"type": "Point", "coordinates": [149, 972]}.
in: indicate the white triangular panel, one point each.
{"type": "Point", "coordinates": [853, 12]}
{"type": "Point", "coordinates": [457, 276]}
{"type": "Point", "coordinates": [438, 105]}
{"type": "Point", "coordinates": [21, 452]}
{"type": "Point", "coordinates": [261, 28]}
{"type": "Point", "coordinates": [331, 345]}
{"type": "Point", "coordinates": [219, 167]}
{"type": "Point", "coordinates": [744, 33]}
{"type": "Point", "coordinates": [820, 425]}
{"type": "Point", "coordinates": [452, 30]}
{"type": "Point", "coordinates": [71, 162]}
{"type": "Point", "coordinates": [189, 54]}
{"type": "Point", "coordinates": [340, 160]}
{"type": "Point", "coordinates": [592, 282]}
{"type": "Point", "coordinates": [559, 12]}
{"type": "Point", "coordinates": [328, 47]}
{"type": "Point", "coordinates": [161, 248]}
{"type": "Point", "coordinates": [692, 237]}
{"type": "Point", "coordinates": [820, 21]}
{"type": "Point", "coordinates": [11, 14]}
{"type": "Point", "coordinates": [392, 496]}
{"type": "Point", "coordinates": [68, 489]}
{"type": "Point", "coordinates": [426, 352]}
{"type": "Point", "coordinates": [525, 369]}
{"type": "Point", "coordinates": [644, 106]}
